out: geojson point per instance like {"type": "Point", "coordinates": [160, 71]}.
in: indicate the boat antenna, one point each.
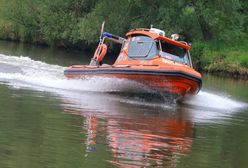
{"type": "Point", "coordinates": [102, 29]}
{"type": "Point", "coordinates": [151, 26]}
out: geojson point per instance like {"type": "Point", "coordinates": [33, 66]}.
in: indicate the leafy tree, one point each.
{"type": "Point", "coordinates": [72, 22]}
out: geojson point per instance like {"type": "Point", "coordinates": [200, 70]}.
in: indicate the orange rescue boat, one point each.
{"type": "Point", "coordinates": [148, 57]}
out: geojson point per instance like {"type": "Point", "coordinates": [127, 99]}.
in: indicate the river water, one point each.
{"type": "Point", "coordinates": [49, 121]}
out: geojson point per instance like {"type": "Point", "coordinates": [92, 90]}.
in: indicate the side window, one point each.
{"type": "Point", "coordinates": [174, 53]}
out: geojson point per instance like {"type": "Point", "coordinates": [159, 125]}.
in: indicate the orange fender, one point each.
{"type": "Point", "coordinates": [100, 52]}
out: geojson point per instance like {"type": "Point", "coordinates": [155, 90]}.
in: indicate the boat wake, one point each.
{"type": "Point", "coordinates": [23, 72]}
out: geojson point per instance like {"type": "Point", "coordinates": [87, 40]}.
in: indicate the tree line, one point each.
{"type": "Point", "coordinates": [77, 22]}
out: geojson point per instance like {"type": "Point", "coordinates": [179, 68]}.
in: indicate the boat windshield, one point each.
{"type": "Point", "coordinates": [142, 47]}
{"type": "Point", "coordinates": [174, 53]}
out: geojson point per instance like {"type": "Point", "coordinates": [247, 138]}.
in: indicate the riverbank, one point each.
{"type": "Point", "coordinates": [222, 58]}
{"type": "Point", "coordinates": [219, 39]}
{"type": "Point", "coordinates": [214, 57]}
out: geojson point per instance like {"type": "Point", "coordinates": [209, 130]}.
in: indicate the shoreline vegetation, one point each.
{"type": "Point", "coordinates": [218, 30]}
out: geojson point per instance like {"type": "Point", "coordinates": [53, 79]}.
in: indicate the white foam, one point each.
{"type": "Point", "coordinates": [211, 100]}
{"type": "Point", "coordinates": [39, 74]}
{"type": "Point", "coordinates": [208, 107]}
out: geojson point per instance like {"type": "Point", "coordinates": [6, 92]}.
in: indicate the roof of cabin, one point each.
{"type": "Point", "coordinates": [156, 36]}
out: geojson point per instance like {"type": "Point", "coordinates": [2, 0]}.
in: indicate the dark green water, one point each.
{"type": "Point", "coordinates": [49, 121]}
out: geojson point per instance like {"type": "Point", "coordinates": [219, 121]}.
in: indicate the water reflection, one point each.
{"type": "Point", "coordinates": [148, 141]}
{"type": "Point", "coordinates": [156, 137]}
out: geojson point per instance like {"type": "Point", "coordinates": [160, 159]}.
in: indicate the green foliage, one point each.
{"type": "Point", "coordinates": [218, 56]}
{"type": "Point", "coordinates": [62, 22]}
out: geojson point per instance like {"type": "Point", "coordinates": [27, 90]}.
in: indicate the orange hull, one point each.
{"type": "Point", "coordinates": [175, 82]}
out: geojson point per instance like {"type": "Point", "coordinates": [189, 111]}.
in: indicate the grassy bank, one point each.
{"type": "Point", "coordinates": [222, 57]}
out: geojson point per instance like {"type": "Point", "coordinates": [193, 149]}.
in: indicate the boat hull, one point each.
{"type": "Point", "coordinates": [171, 81]}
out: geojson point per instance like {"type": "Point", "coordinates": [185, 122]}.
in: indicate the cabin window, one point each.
{"type": "Point", "coordinates": [174, 53]}
{"type": "Point", "coordinates": [142, 47]}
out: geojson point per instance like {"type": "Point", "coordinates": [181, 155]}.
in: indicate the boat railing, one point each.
{"type": "Point", "coordinates": [113, 37]}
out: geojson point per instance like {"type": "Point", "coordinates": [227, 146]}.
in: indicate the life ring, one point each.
{"type": "Point", "coordinates": [100, 52]}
